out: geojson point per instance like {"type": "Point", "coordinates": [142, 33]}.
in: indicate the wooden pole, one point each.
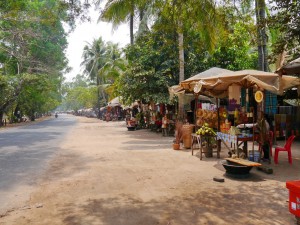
{"type": "Point", "coordinates": [218, 129]}
{"type": "Point", "coordinates": [253, 135]}
{"type": "Point", "coordinates": [195, 110]}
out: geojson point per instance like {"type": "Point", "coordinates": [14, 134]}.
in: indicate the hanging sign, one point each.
{"type": "Point", "coordinates": [259, 96]}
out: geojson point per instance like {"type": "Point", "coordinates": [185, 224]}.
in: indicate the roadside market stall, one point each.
{"type": "Point", "coordinates": [190, 102]}
{"type": "Point", "coordinates": [114, 109]}
{"type": "Point", "coordinates": [228, 85]}
{"type": "Point", "coordinates": [287, 121]}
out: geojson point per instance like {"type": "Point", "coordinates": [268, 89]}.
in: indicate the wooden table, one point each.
{"type": "Point", "coordinates": [200, 140]}
{"type": "Point", "coordinates": [236, 140]}
{"type": "Point", "coordinates": [243, 140]}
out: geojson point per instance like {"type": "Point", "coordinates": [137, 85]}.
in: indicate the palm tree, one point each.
{"type": "Point", "coordinates": [103, 63]}
{"type": "Point", "coordinates": [260, 9]}
{"type": "Point", "coordinates": [94, 58]}
{"type": "Point", "coordinates": [121, 11]}
{"type": "Point", "coordinates": [190, 15]}
{"type": "Point", "coordinates": [114, 67]}
{"type": "Point", "coordinates": [262, 38]}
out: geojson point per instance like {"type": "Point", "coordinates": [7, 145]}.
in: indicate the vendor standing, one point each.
{"type": "Point", "coordinates": [263, 137]}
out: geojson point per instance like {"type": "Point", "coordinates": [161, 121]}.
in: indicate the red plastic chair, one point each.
{"type": "Point", "coordinates": [286, 148]}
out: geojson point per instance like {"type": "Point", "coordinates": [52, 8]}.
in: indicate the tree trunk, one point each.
{"type": "Point", "coordinates": [267, 107]}
{"type": "Point", "coordinates": [98, 97]}
{"type": "Point", "coordinates": [1, 118]}
{"type": "Point", "coordinates": [181, 67]}
{"type": "Point", "coordinates": [131, 29]}
{"type": "Point", "coordinates": [181, 55]}
{"type": "Point", "coordinates": [261, 35]}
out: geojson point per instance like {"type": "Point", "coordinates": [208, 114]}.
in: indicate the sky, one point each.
{"type": "Point", "coordinates": [87, 32]}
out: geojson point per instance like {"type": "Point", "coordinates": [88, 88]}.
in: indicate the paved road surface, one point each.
{"type": "Point", "coordinates": [24, 154]}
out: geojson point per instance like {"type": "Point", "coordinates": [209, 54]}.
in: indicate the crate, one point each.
{"type": "Point", "coordinates": [294, 197]}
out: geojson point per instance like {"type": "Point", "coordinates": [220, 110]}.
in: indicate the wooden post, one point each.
{"type": "Point", "coordinates": [218, 129]}
{"type": "Point", "coordinates": [253, 133]}
{"type": "Point", "coordinates": [195, 110]}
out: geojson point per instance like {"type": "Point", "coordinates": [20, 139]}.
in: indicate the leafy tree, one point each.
{"type": "Point", "coordinates": [237, 50]}
{"type": "Point", "coordinates": [40, 95]}
{"type": "Point", "coordinates": [146, 78]}
{"type": "Point", "coordinates": [32, 47]}
{"type": "Point", "coordinates": [81, 97]}
{"type": "Point", "coordinates": [285, 19]}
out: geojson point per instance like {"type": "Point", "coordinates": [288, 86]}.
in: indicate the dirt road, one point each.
{"type": "Point", "coordinates": [105, 174]}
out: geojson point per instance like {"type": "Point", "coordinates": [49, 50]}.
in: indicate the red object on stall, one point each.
{"type": "Point", "coordinates": [294, 197]}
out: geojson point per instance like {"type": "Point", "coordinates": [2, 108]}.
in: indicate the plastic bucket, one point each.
{"type": "Point", "coordinates": [256, 156]}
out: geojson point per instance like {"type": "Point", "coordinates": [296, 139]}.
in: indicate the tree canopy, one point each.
{"type": "Point", "coordinates": [211, 33]}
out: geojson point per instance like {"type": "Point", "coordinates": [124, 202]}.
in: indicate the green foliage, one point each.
{"type": "Point", "coordinates": [286, 21]}
{"type": "Point", "coordinates": [103, 64]}
{"type": "Point", "coordinates": [236, 52]}
{"type": "Point", "coordinates": [81, 97]}
{"type": "Point", "coordinates": [149, 73]}
{"type": "Point", "coordinates": [32, 55]}
{"type": "Point", "coordinates": [38, 95]}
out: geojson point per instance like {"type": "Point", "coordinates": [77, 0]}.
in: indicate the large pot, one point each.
{"type": "Point", "coordinates": [176, 146]}
{"type": "Point", "coordinates": [235, 169]}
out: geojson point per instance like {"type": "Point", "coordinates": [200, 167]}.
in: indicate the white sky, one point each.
{"type": "Point", "coordinates": [87, 32]}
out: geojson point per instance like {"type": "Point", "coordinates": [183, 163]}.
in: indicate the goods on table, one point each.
{"type": "Point", "coordinates": [205, 130]}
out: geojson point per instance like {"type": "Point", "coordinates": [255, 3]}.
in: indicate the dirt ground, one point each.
{"type": "Point", "coordinates": [105, 174]}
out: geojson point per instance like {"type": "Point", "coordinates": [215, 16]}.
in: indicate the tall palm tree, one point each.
{"type": "Point", "coordinates": [94, 55]}
{"type": "Point", "coordinates": [103, 64]}
{"type": "Point", "coordinates": [94, 58]}
{"type": "Point", "coordinates": [114, 66]}
{"type": "Point", "coordinates": [190, 14]}
{"type": "Point", "coordinates": [122, 11]}
{"type": "Point", "coordinates": [260, 9]}
{"type": "Point", "coordinates": [262, 38]}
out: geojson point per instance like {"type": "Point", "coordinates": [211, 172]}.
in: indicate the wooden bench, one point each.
{"type": "Point", "coordinates": [243, 162]}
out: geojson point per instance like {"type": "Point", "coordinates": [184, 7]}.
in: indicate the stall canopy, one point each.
{"type": "Point", "coordinates": [290, 68]}
{"type": "Point", "coordinates": [102, 108]}
{"type": "Point", "coordinates": [217, 86]}
{"type": "Point", "coordinates": [114, 102]}
{"type": "Point", "coordinates": [189, 83]}
{"type": "Point", "coordinates": [177, 90]}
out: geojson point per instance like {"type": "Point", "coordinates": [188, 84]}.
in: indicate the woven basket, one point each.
{"type": "Point", "coordinates": [187, 130]}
